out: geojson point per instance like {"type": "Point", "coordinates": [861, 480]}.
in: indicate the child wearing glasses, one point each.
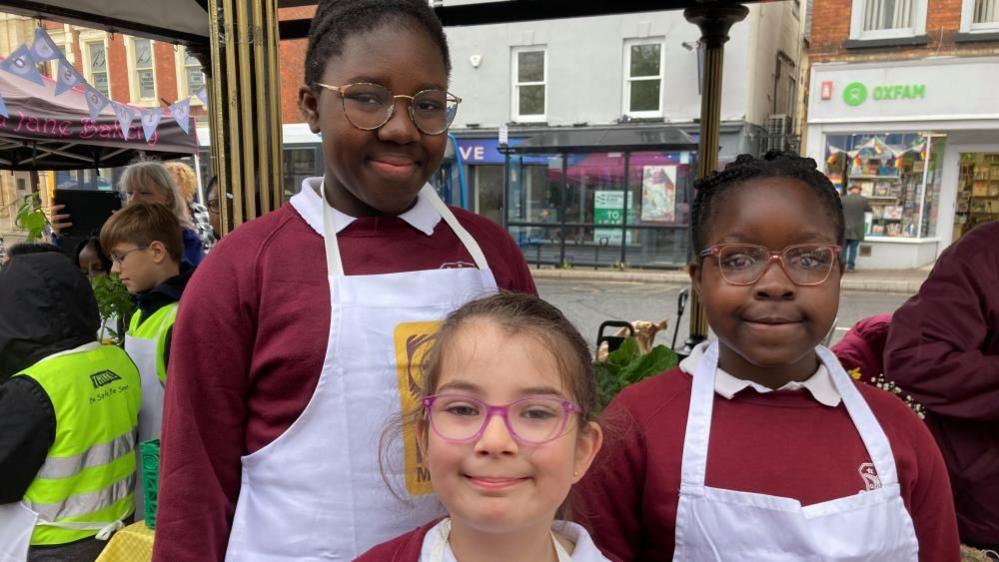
{"type": "Point", "coordinates": [307, 316]}
{"type": "Point", "coordinates": [504, 422]}
{"type": "Point", "coordinates": [759, 446]}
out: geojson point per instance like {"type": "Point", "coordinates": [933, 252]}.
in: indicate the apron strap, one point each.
{"type": "Point", "coordinates": [695, 443]}
{"type": "Point", "coordinates": [470, 244]}
{"type": "Point", "coordinates": [694, 462]}
{"type": "Point", "coordinates": [871, 432]}
{"type": "Point", "coordinates": [104, 530]}
{"type": "Point", "coordinates": [334, 263]}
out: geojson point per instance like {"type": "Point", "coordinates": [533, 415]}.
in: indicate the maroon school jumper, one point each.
{"type": "Point", "coordinates": [248, 350]}
{"type": "Point", "coordinates": [782, 443]}
{"type": "Point", "coordinates": [943, 349]}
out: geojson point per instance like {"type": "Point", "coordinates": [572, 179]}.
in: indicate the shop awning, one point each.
{"type": "Point", "coordinates": [665, 139]}
{"type": "Point", "coordinates": [43, 131]}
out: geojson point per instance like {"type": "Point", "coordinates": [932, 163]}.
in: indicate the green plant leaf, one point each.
{"type": "Point", "coordinates": [625, 366]}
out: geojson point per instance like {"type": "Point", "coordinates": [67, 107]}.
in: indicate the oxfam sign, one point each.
{"type": "Point", "coordinates": [857, 93]}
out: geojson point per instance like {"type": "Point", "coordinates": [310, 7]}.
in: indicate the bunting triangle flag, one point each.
{"type": "Point", "coordinates": [181, 111]}
{"type": "Point", "coordinates": [66, 77]}
{"type": "Point", "coordinates": [21, 63]}
{"type": "Point", "coordinates": [3, 108]}
{"type": "Point", "coordinates": [44, 48]}
{"type": "Point", "coordinates": [125, 117]}
{"type": "Point", "coordinates": [95, 100]}
{"type": "Point", "coordinates": [203, 96]}
{"type": "Point", "coordinates": [150, 120]}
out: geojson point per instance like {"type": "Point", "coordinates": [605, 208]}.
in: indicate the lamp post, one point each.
{"type": "Point", "coordinates": [244, 94]}
{"type": "Point", "coordinates": [714, 20]}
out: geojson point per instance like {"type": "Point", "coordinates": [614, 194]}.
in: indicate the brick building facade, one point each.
{"type": "Point", "coordinates": [901, 101]}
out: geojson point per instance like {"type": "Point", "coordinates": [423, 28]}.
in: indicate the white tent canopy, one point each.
{"type": "Point", "coordinates": [174, 21]}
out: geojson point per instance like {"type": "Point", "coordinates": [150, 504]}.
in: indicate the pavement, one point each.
{"type": "Point", "coordinates": [905, 281]}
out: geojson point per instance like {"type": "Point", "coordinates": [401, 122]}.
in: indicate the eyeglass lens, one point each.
{"type": "Point", "coordinates": [533, 419]}
{"type": "Point", "coordinates": [805, 265]}
{"type": "Point", "coordinates": [369, 106]}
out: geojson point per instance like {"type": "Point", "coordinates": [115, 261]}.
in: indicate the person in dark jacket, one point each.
{"type": "Point", "coordinates": [943, 349]}
{"type": "Point", "coordinates": [50, 360]}
{"type": "Point", "coordinates": [854, 207]}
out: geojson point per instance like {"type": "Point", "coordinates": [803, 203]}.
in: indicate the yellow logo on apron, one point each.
{"type": "Point", "coordinates": [412, 341]}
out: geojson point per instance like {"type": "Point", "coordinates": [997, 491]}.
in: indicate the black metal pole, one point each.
{"type": "Point", "coordinates": [624, 217]}
{"type": "Point", "coordinates": [714, 19]}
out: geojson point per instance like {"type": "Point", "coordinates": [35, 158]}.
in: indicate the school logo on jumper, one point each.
{"type": "Point", "coordinates": [870, 476]}
{"type": "Point", "coordinates": [412, 341]}
{"type": "Point", "coordinates": [103, 378]}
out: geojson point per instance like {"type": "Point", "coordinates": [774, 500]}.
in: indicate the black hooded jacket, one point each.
{"type": "Point", "coordinates": [46, 306]}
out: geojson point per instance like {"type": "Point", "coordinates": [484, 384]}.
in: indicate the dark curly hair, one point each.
{"type": "Point", "coordinates": [710, 189]}
{"type": "Point", "coordinates": [336, 20]}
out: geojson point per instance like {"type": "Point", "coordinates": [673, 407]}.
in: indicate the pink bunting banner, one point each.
{"type": "Point", "coordinates": [66, 77]}
{"type": "Point", "coordinates": [44, 48]}
{"type": "Point", "coordinates": [125, 116]}
{"type": "Point", "coordinates": [21, 63]}
{"type": "Point", "coordinates": [203, 96]}
{"type": "Point", "coordinates": [150, 120]}
{"type": "Point", "coordinates": [96, 101]}
{"type": "Point", "coordinates": [181, 112]}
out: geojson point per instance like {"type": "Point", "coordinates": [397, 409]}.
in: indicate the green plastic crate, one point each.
{"type": "Point", "coordinates": [149, 453]}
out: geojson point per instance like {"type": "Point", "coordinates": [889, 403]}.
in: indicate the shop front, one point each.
{"type": "Point", "coordinates": [601, 198]}
{"type": "Point", "coordinates": [922, 150]}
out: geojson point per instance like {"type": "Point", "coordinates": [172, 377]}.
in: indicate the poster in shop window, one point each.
{"type": "Point", "coordinates": [659, 193]}
{"type": "Point", "coordinates": [608, 208]}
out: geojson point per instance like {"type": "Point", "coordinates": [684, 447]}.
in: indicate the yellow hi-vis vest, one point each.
{"type": "Point", "coordinates": [88, 479]}
{"type": "Point", "coordinates": [155, 328]}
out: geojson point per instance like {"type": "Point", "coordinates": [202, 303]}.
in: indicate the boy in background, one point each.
{"type": "Point", "coordinates": [145, 244]}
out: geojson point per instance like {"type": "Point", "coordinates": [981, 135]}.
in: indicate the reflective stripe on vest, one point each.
{"type": "Point", "coordinates": [155, 328]}
{"type": "Point", "coordinates": [89, 473]}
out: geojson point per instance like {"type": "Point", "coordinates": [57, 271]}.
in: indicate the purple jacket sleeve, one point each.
{"type": "Point", "coordinates": [943, 346]}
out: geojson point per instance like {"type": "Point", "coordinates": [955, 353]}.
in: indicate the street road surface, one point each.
{"type": "Point", "coordinates": [588, 303]}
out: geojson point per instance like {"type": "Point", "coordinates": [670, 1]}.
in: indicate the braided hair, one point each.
{"type": "Point", "coordinates": [746, 167]}
{"type": "Point", "coordinates": [336, 20]}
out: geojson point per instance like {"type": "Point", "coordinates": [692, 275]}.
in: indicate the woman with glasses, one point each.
{"type": "Point", "coordinates": [310, 319]}
{"type": "Point", "coordinates": [759, 446]}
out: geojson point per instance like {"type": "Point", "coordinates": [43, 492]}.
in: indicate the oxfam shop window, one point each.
{"type": "Point", "coordinates": [899, 174]}
{"type": "Point", "coordinates": [601, 208]}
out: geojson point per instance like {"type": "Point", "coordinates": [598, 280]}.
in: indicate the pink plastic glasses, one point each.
{"type": "Point", "coordinates": [532, 420]}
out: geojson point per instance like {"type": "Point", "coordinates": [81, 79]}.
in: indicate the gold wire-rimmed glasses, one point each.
{"type": "Point", "coordinates": [369, 106]}
{"type": "Point", "coordinates": [744, 264]}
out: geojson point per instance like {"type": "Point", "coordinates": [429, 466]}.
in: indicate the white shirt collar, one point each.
{"type": "Point", "coordinates": [309, 204]}
{"type": "Point", "coordinates": [435, 541]}
{"type": "Point", "coordinates": [819, 385]}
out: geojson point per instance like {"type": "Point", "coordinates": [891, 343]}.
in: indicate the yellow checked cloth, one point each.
{"type": "Point", "coordinates": [131, 544]}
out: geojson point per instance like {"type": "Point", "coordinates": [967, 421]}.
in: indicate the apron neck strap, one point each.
{"type": "Point", "coordinates": [702, 398]}
{"type": "Point", "coordinates": [334, 263]}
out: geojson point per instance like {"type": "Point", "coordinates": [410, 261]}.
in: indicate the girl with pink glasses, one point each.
{"type": "Point", "coordinates": [504, 425]}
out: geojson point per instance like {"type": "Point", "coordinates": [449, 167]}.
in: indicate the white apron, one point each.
{"type": "Point", "coordinates": [18, 522]}
{"type": "Point", "coordinates": [317, 492]}
{"type": "Point", "coordinates": [713, 524]}
{"type": "Point", "coordinates": [143, 354]}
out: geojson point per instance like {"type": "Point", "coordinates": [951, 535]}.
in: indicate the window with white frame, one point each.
{"type": "Point", "coordinates": [980, 15]}
{"type": "Point", "coordinates": [530, 77]}
{"type": "Point", "coordinates": [887, 19]}
{"type": "Point", "coordinates": [192, 77]}
{"type": "Point", "coordinates": [95, 58]}
{"type": "Point", "coordinates": [143, 70]}
{"type": "Point", "coordinates": [643, 63]}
